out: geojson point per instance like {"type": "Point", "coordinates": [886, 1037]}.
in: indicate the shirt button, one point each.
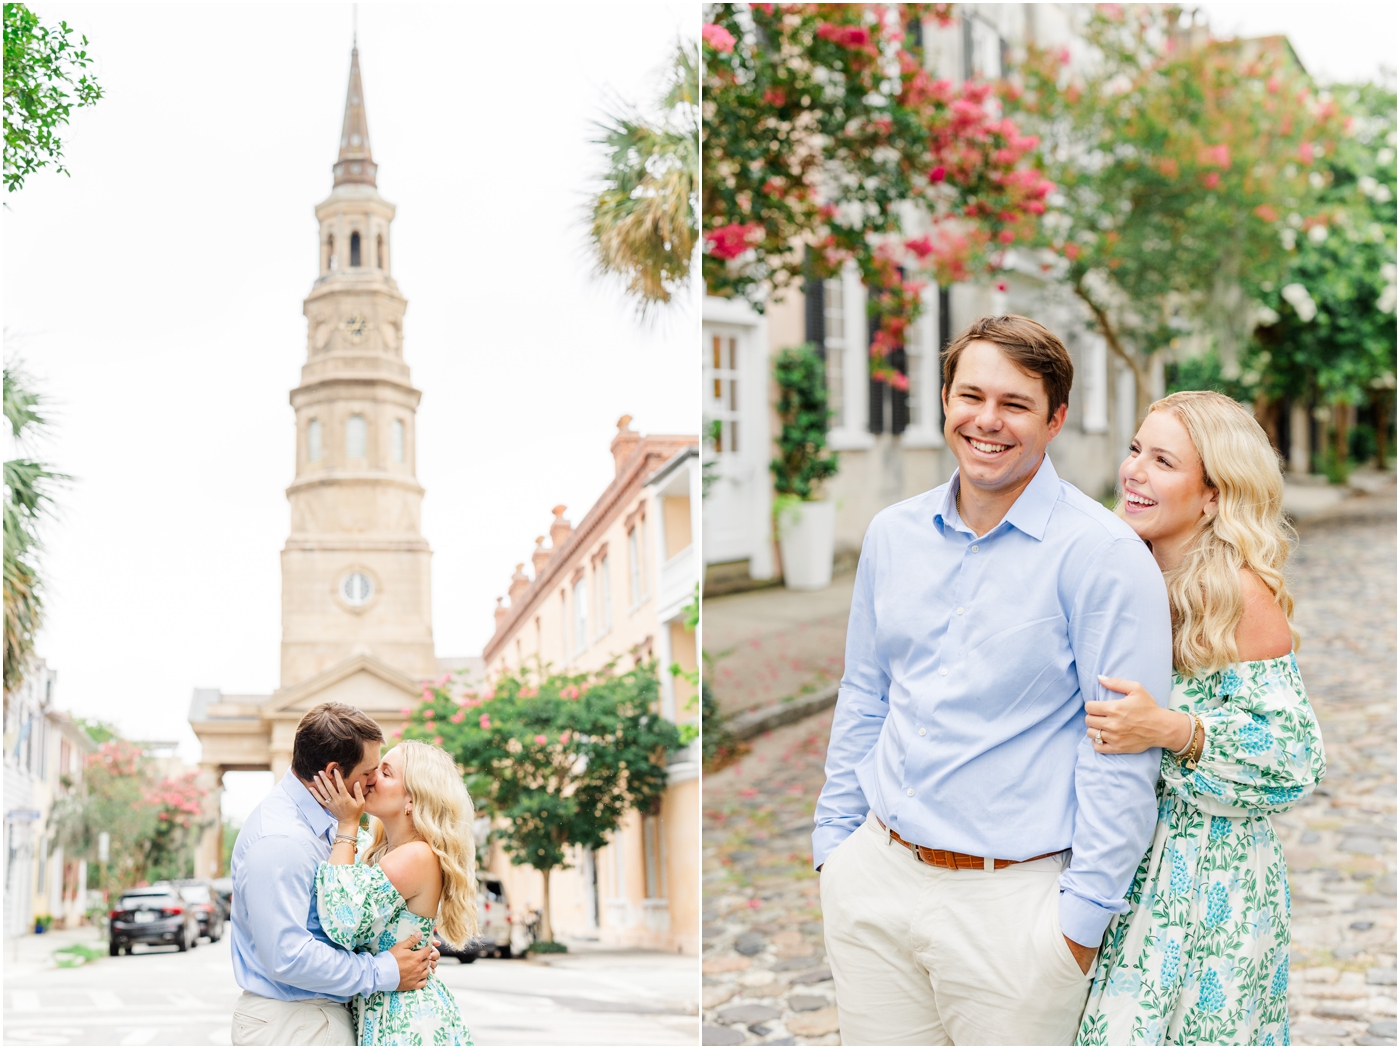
{"type": "Point", "coordinates": [943, 671]}
{"type": "Point", "coordinates": [910, 792]}
{"type": "Point", "coordinates": [974, 548]}
{"type": "Point", "coordinates": [959, 610]}
{"type": "Point", "coordinates": [923, 732]}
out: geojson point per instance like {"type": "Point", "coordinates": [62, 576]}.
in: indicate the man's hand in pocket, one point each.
{"type": "Point", "coordinates": [1083, 955]}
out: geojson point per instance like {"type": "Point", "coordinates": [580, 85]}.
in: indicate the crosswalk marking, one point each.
{"type": "Point", "coordinates": [141, 1036]}
{"type": "Point", "coordinates": [183, 1000]}
{"type": "Point", "coordinates": [24, 1001]}
{"type": "Point", "coordinates": [105, 1000]}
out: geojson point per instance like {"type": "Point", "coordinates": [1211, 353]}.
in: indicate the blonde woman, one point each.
{"type": "Point", "coordinates": [1201, 957]}
{"type": "Point", "coordinates": [418, 873]}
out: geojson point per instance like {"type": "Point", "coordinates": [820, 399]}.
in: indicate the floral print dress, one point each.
{"type": "Point", "coordinates": [1201, 956]}
{"type": "Point", "coordinates": [361, 910]}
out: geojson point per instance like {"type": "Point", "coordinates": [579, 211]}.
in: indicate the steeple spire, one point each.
{"type": "Point", "coordinates": [355, 163]}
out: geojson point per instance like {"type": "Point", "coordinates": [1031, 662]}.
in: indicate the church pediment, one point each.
{"type": "Point", "coordinates": [361, 681]}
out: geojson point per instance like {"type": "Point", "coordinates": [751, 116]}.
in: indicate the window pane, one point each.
{"type": "Point", "coordinates": [580, 615]}
{"type": "Point", "coordinates": [355, 437]}
{"type": "Point", "coordinates": [634, 568]}
{"type": "Point", "coordinates": [313, 440]}
{"type": "Point", "coordinates": [604, 595]}
{"type": "Point", "coordinates": [398, 440]}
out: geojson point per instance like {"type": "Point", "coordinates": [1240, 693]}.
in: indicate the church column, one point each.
{"type": "Point", "coordinates": [209, 853]}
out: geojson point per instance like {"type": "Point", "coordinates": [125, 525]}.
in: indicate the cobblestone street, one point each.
{"type": "Point", "coordinates": [765, 977]}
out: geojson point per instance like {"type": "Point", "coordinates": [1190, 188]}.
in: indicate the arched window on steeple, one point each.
{"type": "Point", "coordinates": [379, 251]}
{"type": "Point", "coordinates": [330, 252]}
{"type": "Point", "coordinates": [313, 440]}
{"type": "Point", "coordinates": [354, 249]}
{"type": "Point", "coordinates": [355, 437]}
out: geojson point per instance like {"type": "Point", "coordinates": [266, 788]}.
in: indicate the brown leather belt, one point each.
{"type": "Point", "coordinates": [956, 861]}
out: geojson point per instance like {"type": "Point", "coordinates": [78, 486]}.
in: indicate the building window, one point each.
{"type": "Point", "coordinates": [835, 341]}
{"type": "Point", "coordinates": [655, 850]}
{"type": "Point", "coordinates": [330, 253]}
{"type": "Point", "coordinates": [604, 597]}
{"type": "Point", "coordinates": [354, 249]}
{"type": "Point", "coordinates": [580, 616]}
{"type": "Point", "coordinates": [379, 251]}
{"type": "Point", "coordinates": [355, 437]}
{"type": "Point", "coordinates": [634, 564]}
{"type": "Point", "coordinates": [397, 434]}
{"type": "Point", "coordinates": [564, 624]}
{"type": "Point", "coordinates": [313, 441]}
{"type": "Point", "coordinates": [723, 409]}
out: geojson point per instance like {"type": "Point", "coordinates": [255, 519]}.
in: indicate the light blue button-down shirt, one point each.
{"type": "Point", "coordinates": [960, 719]}
{"type": "Point", "coordinates": [279, 948]}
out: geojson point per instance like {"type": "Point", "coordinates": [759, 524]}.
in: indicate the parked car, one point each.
{"type": "Point", "coordinates": [208, 908]}
{"type": "Point", "coordinates": [493, 939]}
{"type": "Point", "coordinates": [157, 915]}
{"type": "Point", "coordinates": [223, 888]}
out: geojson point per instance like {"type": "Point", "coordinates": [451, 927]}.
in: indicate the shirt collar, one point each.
{"type": "Point", "coordinates": [1030, 512]}
{"type": "Point", "coordinates": [320, 820]}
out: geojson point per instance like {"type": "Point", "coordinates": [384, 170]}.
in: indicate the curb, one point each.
{"type": "Point", "coordinates": [756, 722]}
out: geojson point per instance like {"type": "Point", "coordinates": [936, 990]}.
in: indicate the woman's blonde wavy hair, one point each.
{"type": "Point", "coordinates": [1248, 530]}
{"type": "Point", "coordinates": [442, 815]}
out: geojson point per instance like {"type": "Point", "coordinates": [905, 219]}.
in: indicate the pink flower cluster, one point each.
{"type": "Point", "coordinates": [731, 241]}
{"type": "Point", "coordinates": [851, 37]}
{"type": "Point", "coordinates": [719, 38]}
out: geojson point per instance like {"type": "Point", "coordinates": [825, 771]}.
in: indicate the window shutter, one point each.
{"type": "Point", "coordinates": [945, 326]}
{"type": "Point", "coordinates": [877, 388]}
{"type": "Point", "coordinates": [815, 333]}
{"type": "Point", "coordinates": [899, 399]}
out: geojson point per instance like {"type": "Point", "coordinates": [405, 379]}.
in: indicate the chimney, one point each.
{"type": "Point", "coordinates": [559, 530]}
{"type": "Point", "coordinates": [518, 583]}
{"type": "Point", "coordinates": [501, 613]}
{"type": "Point", "coordinates": [541, 556]}
{"type": "Point", "coordinates": [624, 443]}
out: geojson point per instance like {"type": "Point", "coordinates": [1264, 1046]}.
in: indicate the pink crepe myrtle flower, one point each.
{"type": "Point", "coordinates": [458, 717]}
{"type": "Point", "coordinates": [721, 39]}
{"type": "Point", "coordinates": [731, 241]}
{"type": "Point", "coordinates": [429, 714]}
{"type": "Point", "coordinates": [431, 726]}
{"type": "Point", "coordinates": [484, 721]}
{"type": "Point", "coordinates": [565, 736]}
{"type": "Point", "coordinates": [938, 174]}
{"type": "Point", "coordinates": [437, 741]}
{"type": "Point", "coordinates": [1211, 179]}
{"type": "Point", "coordinates": [541, 739]}
{"type": "Point", "coordinates": [407, 712]}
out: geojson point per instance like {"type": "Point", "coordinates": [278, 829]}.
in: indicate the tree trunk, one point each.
{"type": "Point", "coordinates": [1339, 438]}
{"type": "Point", "coordinates": [1380, 402]}
{"type": "Point", "coordinates": [1266, 413]}
{"type": "Point", "coordinates": [1141, 365]}
{"type": "Point", "coordinates": [546, 926]}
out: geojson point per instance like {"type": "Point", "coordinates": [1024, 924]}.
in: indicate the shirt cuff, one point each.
{"type": "Point", "coordinates": [386, 969]}
{"type": "Point", "coordinates": [1081, 920]}
{"type": "Point", "coordinates": [827, 838]}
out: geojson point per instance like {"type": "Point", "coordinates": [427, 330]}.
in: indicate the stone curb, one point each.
{"type": "Point", "coordinates": [756, 722]}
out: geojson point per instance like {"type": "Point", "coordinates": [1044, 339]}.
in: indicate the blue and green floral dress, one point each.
{"type": "Point", "coordinates": [1201, 957]}
{"type": "Point", "coordinates": [361, 910]}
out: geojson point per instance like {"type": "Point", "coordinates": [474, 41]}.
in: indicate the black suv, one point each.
{"type": "Point", "coordinates": [208, 907]}
{"type": "Point", "coordinates": [156, 915]}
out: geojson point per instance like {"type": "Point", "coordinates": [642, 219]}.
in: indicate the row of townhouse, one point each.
{"type": "Point", "coordinates": [614, 590]}
{"type": "Point", "coordinates": [890, 441]}
{"type": "Point", "coordinates": [44, 754]}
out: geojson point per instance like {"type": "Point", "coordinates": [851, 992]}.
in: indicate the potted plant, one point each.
{"type": "Point", "coordinates": [806, 522]}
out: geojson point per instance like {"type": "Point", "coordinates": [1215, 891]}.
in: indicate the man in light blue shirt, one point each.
{"type": "Point", "coordinates": [972, 843]}
{"type": "Point", "coordinates": [295, 980]}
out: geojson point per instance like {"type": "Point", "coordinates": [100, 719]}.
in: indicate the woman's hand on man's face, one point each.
{"type": "Point", "coordinates": [346, 806]}
{"type": "Point", "coordinates": [1134, 723]}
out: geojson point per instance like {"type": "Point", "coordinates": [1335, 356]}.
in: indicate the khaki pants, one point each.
{"type": "Point", "coordinates": [926, 956]}
{"type": "Point", "coordinates": [311, 1021]}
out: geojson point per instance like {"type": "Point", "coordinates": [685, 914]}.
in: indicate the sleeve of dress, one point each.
{"type": "Point", "coordinates": [354, 902]}
{"type": "Point", "coordinates": [1263, 748]}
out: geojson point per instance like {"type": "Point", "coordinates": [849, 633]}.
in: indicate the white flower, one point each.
{"type": "Point", "coordinates": [1385, 302]}
{"type": "Point", "coordinates": [1265, 316]}
{"type": "Point", "coordinates": [1289, 238]}
{"type": "Point", "coordinates": [1297, 296]}
{"type": "Point", "coordinates": [1317, 234]}
{"type": "Point", "coordinates": [1367, 184]}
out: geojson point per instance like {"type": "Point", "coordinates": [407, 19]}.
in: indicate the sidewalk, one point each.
{"type": "Point", "coordinates": [766, 646]}
{"type": "Point", "coordinates": [30, 953]}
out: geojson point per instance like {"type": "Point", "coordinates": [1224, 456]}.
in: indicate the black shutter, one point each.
{"type": "Point", "coordinates": [899, 399]}
{"type": "Point", "coordinates": [815, 291]}
{"type": "Point", "coordinates": [877, 388]}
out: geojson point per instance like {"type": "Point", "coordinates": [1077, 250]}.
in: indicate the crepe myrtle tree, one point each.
{"type": "Point", "coordinates": [1176, 160]}
{"type": "Point", "coordinates": [561, 759]}
{"type": "Point", "coordinates": [826, 139]}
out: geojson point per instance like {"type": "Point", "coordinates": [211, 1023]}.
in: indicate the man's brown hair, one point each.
{"type": "Point", "coordinates": [1028, 344]}
{"type": "Point", "coordinates": [332, 732]}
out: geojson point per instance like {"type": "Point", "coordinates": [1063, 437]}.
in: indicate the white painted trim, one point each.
{"type": "Point", "coordinates": [929, 431]}
{"type": "Point", "coordinates": [854, 433]}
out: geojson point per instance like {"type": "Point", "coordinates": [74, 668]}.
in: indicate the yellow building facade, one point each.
{"type": "Point", "coordinates": [616, 589]}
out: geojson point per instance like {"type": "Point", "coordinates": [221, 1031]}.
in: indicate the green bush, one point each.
{"type": "Point", "coordinates": [548, 947]}
{"type": "Point", "coordinates": [803, 461]}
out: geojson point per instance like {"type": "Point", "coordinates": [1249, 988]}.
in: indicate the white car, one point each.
{"type": "Point", "coordinates": [494, 927]}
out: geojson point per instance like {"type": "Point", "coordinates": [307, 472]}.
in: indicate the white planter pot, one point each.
{"type": "Point", "coordinates": [807, 538]}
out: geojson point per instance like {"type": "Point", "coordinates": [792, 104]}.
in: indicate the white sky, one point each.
{"type": "Point", "coordinates": [1345, 42]}
{"type": "Point", "coordinates": [157, 293]}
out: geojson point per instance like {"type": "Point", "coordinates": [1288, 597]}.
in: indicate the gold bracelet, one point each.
{"type": "Point", "coordinates": [345, 837]}
{"type": "Point", "coordinates": [1197, 749]}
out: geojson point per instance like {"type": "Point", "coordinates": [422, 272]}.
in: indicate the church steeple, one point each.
{"type": "Point", "coordinates": [354, 163]}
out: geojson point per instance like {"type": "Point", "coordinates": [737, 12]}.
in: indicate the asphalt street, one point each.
{"type": "Point", "coordinates": [161, 997]}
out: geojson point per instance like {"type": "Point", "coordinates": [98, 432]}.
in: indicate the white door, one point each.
{"type": "Point", "coordinates": [736, 447]}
